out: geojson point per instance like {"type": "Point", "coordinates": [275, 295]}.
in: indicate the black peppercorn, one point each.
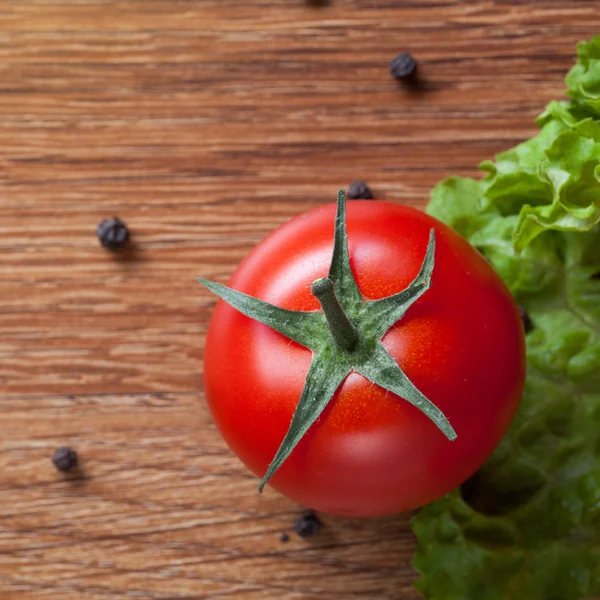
{"type": "Point", "coordinates": [359, 190]}
{"type": "Point", "coordinates": [596, 275]}
{"type": "Point", "coordinates": [527, 324]}
{"type": "Point", "coordinates": [284, 537]}
{"type": "Point", "coordinates": [65, 459]}
{"type": "Point", "coordinates": [403, 66]}
{"type": "Point", "coordinates": [307, 525]}
{"type": "Point", "coordinates": [113, 233]}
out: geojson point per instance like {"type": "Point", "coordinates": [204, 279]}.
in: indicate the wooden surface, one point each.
{"type": "Point", "coordinates": [205, 124]}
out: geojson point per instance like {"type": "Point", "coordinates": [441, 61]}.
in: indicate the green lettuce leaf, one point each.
{"type": "Point", "coordinates": [527, 525]}
{"type": "Point", "coordinates": [584, 78]}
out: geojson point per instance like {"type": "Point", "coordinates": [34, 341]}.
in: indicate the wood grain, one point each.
{"type": "Point", "coordinates": [205, 124]}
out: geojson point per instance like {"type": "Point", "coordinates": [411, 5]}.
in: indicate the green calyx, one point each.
{"type": "Point", "coordinates": [345, 337]}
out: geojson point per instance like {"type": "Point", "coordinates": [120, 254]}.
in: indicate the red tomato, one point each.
{"type": "Point", "coordinates": [370, 452]}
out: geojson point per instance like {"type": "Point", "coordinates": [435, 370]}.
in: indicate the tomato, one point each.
{"type": "Point", "coordinates": [370, 452]}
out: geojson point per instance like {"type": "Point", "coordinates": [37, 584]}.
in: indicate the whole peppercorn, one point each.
{"type": "Point", "coordinates": [359, 190]}
{"type": "Point", "coordinates": [284, 537]}
{"type": "Point", "coordinates": [527, 324]}
{"type": "Point", "coordinates": [65, 459]}
{"type": "Point", "coordinates": [307, 525]}
{"type": "Point", "coordinates": [403, 66]}
{"type": "Point", "coordinates": [113, 233]}
{"type": "Point", "coordinates": [596, 275]}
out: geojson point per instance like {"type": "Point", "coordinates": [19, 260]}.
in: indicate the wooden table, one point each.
{"type": "Point", "coordinates": [205, 124]}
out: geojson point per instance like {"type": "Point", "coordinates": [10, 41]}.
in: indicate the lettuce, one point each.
{"type": "Point", "coordinates": [527, 525]}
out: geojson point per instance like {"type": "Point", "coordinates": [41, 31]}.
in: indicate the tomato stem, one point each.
{"type": "Point", "coordinates": [340, 326]}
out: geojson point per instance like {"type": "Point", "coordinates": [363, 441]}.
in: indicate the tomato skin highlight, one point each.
{"type": "Point", "coordinates": [371, 452]}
